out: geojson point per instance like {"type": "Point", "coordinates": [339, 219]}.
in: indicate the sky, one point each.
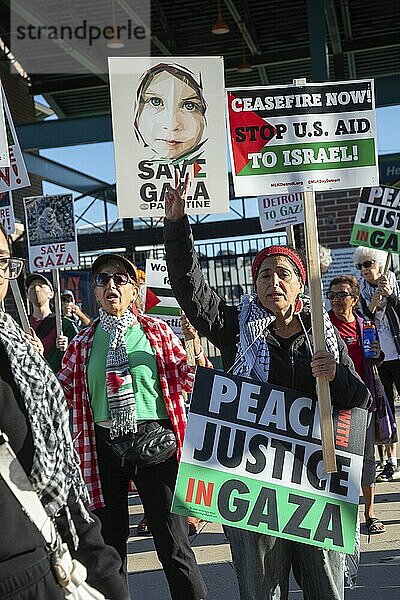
{"type": "Point", "coordinates": [98, 160]}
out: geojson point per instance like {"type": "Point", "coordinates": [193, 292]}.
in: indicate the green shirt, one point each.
{"type": "Point", "coordinates": [143, 368]}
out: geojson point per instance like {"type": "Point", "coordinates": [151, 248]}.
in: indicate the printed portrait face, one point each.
{"type": "Point", "coordinates": [170, 116]}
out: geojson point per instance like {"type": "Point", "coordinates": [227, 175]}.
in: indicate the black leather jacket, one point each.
{"type": "Point", "coordinates": [219, 322]}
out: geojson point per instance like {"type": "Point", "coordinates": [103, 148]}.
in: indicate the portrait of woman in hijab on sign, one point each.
{"type": "Point", "coordinates": [169, 113]}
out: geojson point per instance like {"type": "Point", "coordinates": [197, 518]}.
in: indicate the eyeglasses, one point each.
{"type": "Point", "coordinates": [366, 264]}
{"type": "Point", "coordinates": [11, 267]}
{"type": "Point", "coordinates": [101, 279]}
{"type": "Point", "coordinates": [67, 298]}
{"type": "Point", "coordinates": [338, 295]}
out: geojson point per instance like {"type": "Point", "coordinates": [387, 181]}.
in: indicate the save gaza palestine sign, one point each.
{"type": "Point", "coordinates": [252, 459]}
{"type": "Point", "coordinates": [297, 138]}
{"type": "Point", "coordinates": [377, 222]}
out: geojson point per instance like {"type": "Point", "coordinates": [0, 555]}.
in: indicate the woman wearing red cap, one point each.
{"type": "Point", "coordinates": [267, 337]}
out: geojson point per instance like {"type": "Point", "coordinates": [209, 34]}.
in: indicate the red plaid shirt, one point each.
{"type": "Point", "coordinates": [175, 375]}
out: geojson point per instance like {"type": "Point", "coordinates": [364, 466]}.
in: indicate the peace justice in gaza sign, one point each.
{"type": "Point", "coordinates": [317, 136]}
{"type": "Point", "coordinates": [252, 459]}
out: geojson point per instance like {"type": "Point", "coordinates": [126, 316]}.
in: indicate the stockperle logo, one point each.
{"type": "Point", "coordinates": [77, 37]}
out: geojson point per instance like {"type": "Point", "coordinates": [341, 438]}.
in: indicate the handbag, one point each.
{"type": "Point", "coordinates": [70, 573]}
{"type": "Point", "coordinates": [152, 444]}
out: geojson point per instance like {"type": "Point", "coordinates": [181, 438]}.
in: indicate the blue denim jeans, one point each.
{"type": "Point", "coordinates": [263, 564]}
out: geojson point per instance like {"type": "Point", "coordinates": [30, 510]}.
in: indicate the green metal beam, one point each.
{"type": "Point", "coordinates": [66, 177]}
{"type": "Point", "coordinates": [317, 40]}
{"type": "Point", "coordinates": [65, 132]}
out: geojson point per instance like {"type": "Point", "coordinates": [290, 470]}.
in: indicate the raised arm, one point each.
{"type": "Point", "coordinates": [207, 311]}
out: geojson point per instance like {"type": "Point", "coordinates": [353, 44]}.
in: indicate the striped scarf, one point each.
{"type": "Point", "coordinates": [252, 355]}
{"type": "Point", "coordinates": [119, 385]}
{"type": "Point", "coordinates": [55, 473]}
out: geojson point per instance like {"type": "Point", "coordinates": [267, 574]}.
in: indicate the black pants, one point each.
{"type": "Point", "coordinates": [389, 372]}
{"type": "Point", "coordinates": [33, 582]}
{"type": "Point", "coordinates": [170, 532]}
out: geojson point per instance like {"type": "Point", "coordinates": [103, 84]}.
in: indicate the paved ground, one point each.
{"type": "Point", "coordinates": [379, 575]}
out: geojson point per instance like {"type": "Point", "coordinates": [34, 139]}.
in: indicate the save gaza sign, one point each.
{"type": "Point", "coordinates": [317, 136]}
{"type": "Point", "coordinates": [252, 459]}
{"type": "Point", "coordinates": [377, 222]}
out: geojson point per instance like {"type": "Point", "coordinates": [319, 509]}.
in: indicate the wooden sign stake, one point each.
{"type": "Point", "coordinates": [317, 323]}
{"type": "Point", "coordinates": [57, 300]}
{"type": "Point", "coordinates": [23, 317]}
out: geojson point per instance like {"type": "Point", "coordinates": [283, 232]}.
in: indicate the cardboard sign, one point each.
{"type": "Point", "coordinates": [252, 459]}
{"type": "Point", "coordinates": [157, 282]}
{"type": "Point", "coordinates": [7, 218]}
{"type": "Point", "coordinates": [377, 222]}
{"type": "Point", "coordinates": [4, 155]}
{"type": "Point", "coordinates": [389, 170]}
{"type": "Point", "coordinates": [318, 136]}
{"type": "Point", "coordinates": [15, 176]}
{"type": "Point", "coordinates": [169, 112]}
{"type": "Point", "coordinates": [50, 225]}
{"type": "Point", "coordinates": [280, 211]}
{"type": "Point", "coordinates": [342, 264]}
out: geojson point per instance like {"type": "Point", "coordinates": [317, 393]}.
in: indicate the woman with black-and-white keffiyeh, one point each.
{"type": "Point", "coordinates": [34, 416]}
{"type": "Point", "coordinates": [265, 338]}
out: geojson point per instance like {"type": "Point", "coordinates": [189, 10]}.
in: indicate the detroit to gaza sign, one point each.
{"type": "Point", "coordinates": [252, 459]}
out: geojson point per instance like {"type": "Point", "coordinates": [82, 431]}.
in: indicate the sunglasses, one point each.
{"type": "Point", "coordinates": [101, 279]}
{"type": "Point", "coordinates": [338, 295]}
{"type": "Point", "coordinates": [366, 264]}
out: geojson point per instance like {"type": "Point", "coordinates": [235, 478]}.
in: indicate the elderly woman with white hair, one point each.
{"type": "Point", "coordinates": [380, 302]}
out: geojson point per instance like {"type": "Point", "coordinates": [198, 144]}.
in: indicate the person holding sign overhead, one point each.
{"type": "Point", "coordinates": [380, 302]}
{"type": "Point", "coordinates": [123, 377]}
{"type": "Point", "coordinates": [267, 338]}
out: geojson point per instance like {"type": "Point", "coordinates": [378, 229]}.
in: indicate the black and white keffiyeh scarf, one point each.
{"type": "Point", "coordinates": [119, 385]}
{"type": "Point", "coordinates": [55, 470]}
{"type": "Point", "coordinates": [252, 355]}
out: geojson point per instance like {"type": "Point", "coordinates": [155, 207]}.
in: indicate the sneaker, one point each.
{"type": "Point", "coordinates": [389, 473]}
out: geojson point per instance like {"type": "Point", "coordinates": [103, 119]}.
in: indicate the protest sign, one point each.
{"type": "Point", "coordinates": [377, 221]}
{"type": "Point", "coordinates": [7, 218]}
{"type": "Point", "coordinates": [252, 459]}
{"type": "Point", "coordinates": [342, 264]}
{"type": "Point", "coordinates": [4, 155]}
{"type": "Point", "coordinates": [157, 282]}
{"type": "Point", "coordinates": [389, 170]}
{"type": "Point", "coordinates": [282, 210]}
{"type": "Point", "coordinates": [79, 282]}
{"type": "Point", "coordinates": [50, 225]}
{"type": "Point", "coordinates": [169, 113]}
{"type": "Point", "coordinates": [316, 136]}
{"type": "Point", "coordinates": [15, 176]}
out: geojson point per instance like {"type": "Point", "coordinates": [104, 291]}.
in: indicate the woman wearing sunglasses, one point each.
{"type": "Point", "coordinates": [119, 373]}
{"type": "Point", "coordinates": [344, 296]}
{"type": "Point", "coordinates": [380, 302]}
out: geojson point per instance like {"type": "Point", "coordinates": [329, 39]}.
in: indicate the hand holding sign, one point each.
{"type": "Point", "coordinates": [323, 364]}
{"type": "Point", "coordinates": [62, 342]}
{"type": "Point", "coordinates": [175, 197]}
{"type": "Point", "coordinates": [384, 286]}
